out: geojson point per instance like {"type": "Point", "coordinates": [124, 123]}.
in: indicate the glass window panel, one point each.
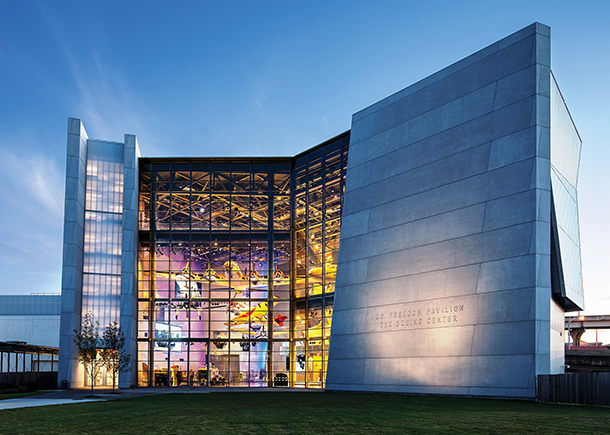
{"type": "Point", "coordinates": [221, 182]}
{"type": "Point", "coordinates": [300, 177]}
{"type": "Point", "coordinates": [315, 173]}
{"type": "Point", "coordinates": [143, 319]}
{"type": "Point", "coordinates": [220, 211]}
{"type": "Point", "coordinates": [161, 363]}
{"type": "Point", "coordinates": [240, 182]}
{"type": "Point", "coordinates": [259, 269]}
{"type": "Point", "coordinates": [144, 201]}
{"type": "Point", "coordinates": [260, 183]}
{"type": "Point", "coordinates": [199, 323]}
{"type": "Point", "coordinates": [143, 366]}
{"type": "Point", "coordinates": [281, 319]}
{"type": "Point", "coordinates": [162, 181]}
{"type": "Point", "coordinates": [299, 213]}
{"type": "Point", "coordinates": [202, 275]}
{"type": "Point", "coordinates": [281, 269]}
{"type": "Point", "coordinates": [332, 164]}
{"type": "Point", "coordinates": [259, 212]}
{"type": "Point", "coordinates": [281, 361]}
{"type": "Point", "coordinates": [200, 211]}
{"type": "Point", "coordinates": [198, 363]}
{"type": "Point", "coordinates": [104, 178]}
{"type": "Point", "coordinates": [315, 367]}
{"type": "Point", "coordinates": [178, 366]}
{"type": "Point", "coordinates": [103, 239]}
{"type": "Point", "coordinates": [144, 270]}
{"type": "Point", "coordinates": [101, 296]}
{"type": "Point", "coordinates": [180, 210]}
{"type": "Point", "coordinates": [298, 364]}
{"type": "Point", "coordinates": [219, 260]}
{"type": "Point", "coordinates": [281, 213]}
{"type": "Point", "coordinates": [299, 324]}
{"type": "Point", "coordinates": [240, 211]}
{"type": "Point", "coordinates": [181, 181]}
{"type": "Point", "coordinates": [144, 286]}
{"type": "Point", "coordinates": [281, 183]}
{"type": "Point", "coordinates": [162, 211]}
{"type": "Point", "coordinates": [161, 267]}
{"type": "Point", "coordinates": [238, 270]}
{"type": "Point", "coordinates": [257, 364]}
{"type": "Point", "coordinates": [200, 181]}
{"type": "Point", "coordinates": [328, 316]}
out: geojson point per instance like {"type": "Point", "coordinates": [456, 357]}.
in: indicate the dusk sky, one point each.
{"type": "Point", "coordinates": [255, 78]}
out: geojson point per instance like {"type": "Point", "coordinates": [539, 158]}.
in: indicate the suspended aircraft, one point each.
{"type": "Point", "coordinates": [258, 314]}
{"type": "Point", "coordinates": [188, 281]}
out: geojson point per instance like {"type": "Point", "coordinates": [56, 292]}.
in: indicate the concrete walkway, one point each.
{"type": "Point", "coordinates": [80, 395]}
{"type": "Point", "coordinates": [39, 400]}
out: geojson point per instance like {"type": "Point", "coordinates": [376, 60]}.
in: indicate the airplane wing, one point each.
{"type": "Point", "coordinates": [164, 274]}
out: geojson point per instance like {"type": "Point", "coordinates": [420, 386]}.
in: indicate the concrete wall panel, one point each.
{"type": "Point", "coordinates": [34, 330]}
{"type": "Point", "coordinates": [432, 285]}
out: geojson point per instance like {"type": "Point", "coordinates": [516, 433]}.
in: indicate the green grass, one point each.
{"type": "Point", "coordinates": [301, 413]}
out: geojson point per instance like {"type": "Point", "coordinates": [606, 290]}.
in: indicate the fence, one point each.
{"type": "Point", "coordinates": [39, 380]}
{"type": "Point", "coordinates": [24, 364]}
{"type": "Point", "coordinates": [583, 388]}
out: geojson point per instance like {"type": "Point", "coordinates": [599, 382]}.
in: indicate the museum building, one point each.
{"type": "Point", "coordinates": [443, 252]}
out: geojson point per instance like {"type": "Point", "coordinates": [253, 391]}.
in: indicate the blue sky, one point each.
{"type": "Point", "coordinates": [254, 78]}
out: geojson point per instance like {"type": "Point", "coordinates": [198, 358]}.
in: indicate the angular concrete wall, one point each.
{"type": "Point", "coordinates": [443, 282]}
{"type": "Point", "coordinates": [129, 259]}
{"type": "Point", "coordinates": [72, 263]}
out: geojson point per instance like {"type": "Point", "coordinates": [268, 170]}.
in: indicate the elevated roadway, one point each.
{"type": "Point", "coordinates": [577, 325]}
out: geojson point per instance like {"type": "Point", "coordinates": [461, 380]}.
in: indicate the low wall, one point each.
{"type": "Point", "coordinates": [583, 388]}
{"type": "Point", "coordinates": [40, 380]}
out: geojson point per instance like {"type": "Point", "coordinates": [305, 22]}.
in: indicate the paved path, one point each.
{"type": "Point", "coordinates": [29, 401]}
{"type": "Point", "coordinates": [80, 395]}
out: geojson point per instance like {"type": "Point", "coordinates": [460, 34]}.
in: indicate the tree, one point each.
{"type": "Point", "coordinates": [116, 359]}
{"type": "Point", "coordinates": [87, 339]}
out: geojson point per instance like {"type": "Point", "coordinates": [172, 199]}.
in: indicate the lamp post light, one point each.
{"type": "Point", "coordinates": [579, 318]}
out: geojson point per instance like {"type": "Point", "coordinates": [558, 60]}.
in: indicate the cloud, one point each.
{"type": "Point", "coordinates": [31, 200]}
{"type": "Point", "coordinates": [33, 183]}
{"type": "Point", "coordinates": [260, 101]}
{"type": "Point", "coordinates": [99, 94]}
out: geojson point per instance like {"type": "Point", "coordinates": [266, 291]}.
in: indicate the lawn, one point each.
{"type": "Point", "coordinates": [300, 413]}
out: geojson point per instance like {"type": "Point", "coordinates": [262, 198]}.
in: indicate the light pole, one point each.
{"type": "Point", "coordinates": [580, 318]}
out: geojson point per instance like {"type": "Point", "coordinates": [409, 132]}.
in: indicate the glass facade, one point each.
{"type": "Point", "coordinates": [237, 259]}
{"type": "Point", "coordinates": [565, 247]}
{"type": "Point", "coordinates": [316, 197]}
{"type": "Point", "coordinates": [103, 231]}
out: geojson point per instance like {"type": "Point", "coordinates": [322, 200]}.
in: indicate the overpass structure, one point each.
{"type": "Point", "coordinates": [586, 359]}
{"type": "Point", "coordinates": [577, 325]}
